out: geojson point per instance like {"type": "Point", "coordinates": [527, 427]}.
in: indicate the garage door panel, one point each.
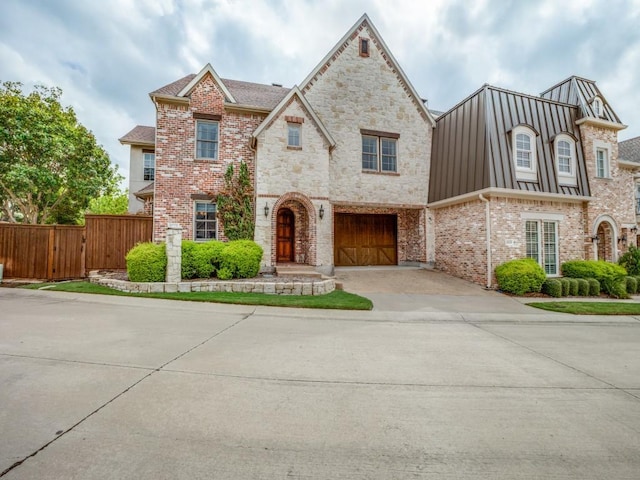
{"type": "Point", "coordinates": [362, 239]}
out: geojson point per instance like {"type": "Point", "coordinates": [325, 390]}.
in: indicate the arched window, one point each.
{"type": "Point", "coordinates": [524, 153]}
{"type": "Point", "coordinates": [566, 159]}
{"type": "Point", "coordinates": [597, 106]}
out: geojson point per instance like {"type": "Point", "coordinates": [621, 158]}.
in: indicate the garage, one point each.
{"type": "Point", "coordinates": [362, 239]}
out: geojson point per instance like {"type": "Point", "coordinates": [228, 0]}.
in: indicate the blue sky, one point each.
{"type": "Point", "coordinates": [107, 55]}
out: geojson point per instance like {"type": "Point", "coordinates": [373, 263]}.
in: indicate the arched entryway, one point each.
{"type": "Point", "coordinates": [286, 235]}
{"type": "Point", "coordinates": [605, 236]}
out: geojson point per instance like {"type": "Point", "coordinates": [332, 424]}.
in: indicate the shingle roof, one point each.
{"type": "Point", "coordinates": [140, 135]}
{"type": "Point", "coordinates": [629, 150]}
{"type": "Point", "coordinates": [146, 191]}
{"type": "Point", "coordinates": [245, 93]}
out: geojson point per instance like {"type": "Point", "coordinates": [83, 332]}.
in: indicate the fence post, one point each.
{"type": "Point", "coordinates": [174, 253]}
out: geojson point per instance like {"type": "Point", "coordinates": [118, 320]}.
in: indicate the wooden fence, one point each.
{"type": "Point", "coordinates": [57, 252]}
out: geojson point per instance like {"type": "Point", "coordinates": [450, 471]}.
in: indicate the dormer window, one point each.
{"type": "Point", "coordinates": [597, 107]}
{"type": "Point", "coordinates": [524, 153]}
{"type": "Point", "coordinates": [364, 47]}
{"type": "Point", "coordinates": [565, 149]}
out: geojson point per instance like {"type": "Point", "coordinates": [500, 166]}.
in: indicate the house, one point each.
{"type": "Point", "coordinates": [350, 167]}
{"type": "Point", "coordinates": [515, 175]}
{"type": "Point", "coordinates": [340, 162]}
{"type": "Point", "coordinates": [629, 151]}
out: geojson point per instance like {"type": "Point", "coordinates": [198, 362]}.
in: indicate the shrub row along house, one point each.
{"type": "Point", "coordinates": [351, 168]}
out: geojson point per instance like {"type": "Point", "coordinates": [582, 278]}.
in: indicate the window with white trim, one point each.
{"type": "Point", "coordinates": [207, 139]}
{"type": "Point", "coordinates": [293, 135]}
{"type": "Point", "coordinates": [205, 223]}
{"type": "Point", "coordinates": [541, 240]}
{"type": "Point", "coordinates": [379, 154]}
{"type": "Point", "coordinates": [602, 163]}
{"type": "Point", "coordinates": [524, 153]}
{"type": "Point", "coordinates": [565, 148]}
{"type": "Point", "coordinates": [149, 165]}
{"type": "Point", "coordinates": [597, 106]}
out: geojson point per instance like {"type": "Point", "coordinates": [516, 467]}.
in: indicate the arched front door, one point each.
{"type": "Point", "coordinates": [286, 236]}
{"type": "Point", "coordinates": [605, 242]}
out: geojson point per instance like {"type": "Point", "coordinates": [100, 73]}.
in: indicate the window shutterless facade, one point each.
{"type": "Point", "coordinates": [541, 239]}
{"type": "Point", "coordinates": [149, 166]}
{"type": "Point", "coordinates": [602, 163]}
{"type": "Point", "coordinates": [565, 147]}
{"type": "Point", "coordinates": [294, 131]}
{"type": "Point", "coordinates": [524, 153]}
{"type": "Point", "coordinates": [379, 154]}
{"type": "Point", "coordinates": [205, 224]}
{"type": "Point", "coordinates": [207, 139]}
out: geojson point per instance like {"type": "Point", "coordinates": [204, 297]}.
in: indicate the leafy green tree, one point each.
{"type": "Point", "coordinates": [50, 165]}
{"type": "Point", "coordinates": [235, 204]}
{"type": "Point", "coordinates": [113, 204]}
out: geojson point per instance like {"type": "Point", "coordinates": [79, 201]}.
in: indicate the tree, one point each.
{"type": "Point", "coordinates": [114, 204]}
{"type": "Point", "coordinates": [50, 165]}
{"type": "Point", "coordinates": [235, 204]}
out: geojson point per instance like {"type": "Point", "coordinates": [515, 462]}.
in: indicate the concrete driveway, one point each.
{"type": "Point", "coordinates": [97, 387]}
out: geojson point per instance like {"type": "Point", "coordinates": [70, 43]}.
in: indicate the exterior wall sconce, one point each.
{"type": "Point", "coordinates": [594, 239]}
{"type": "Point", "coordinates": [266, 209]}
{"type": "Point", "coordinates": [623, 240]}
{"type": "Point", "coordinates": [634, 230]}
{"type": "Point", "coordinates": [321, 212]}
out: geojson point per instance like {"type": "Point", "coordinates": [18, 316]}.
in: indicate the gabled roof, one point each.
{"type": "Point", "coordinates": [207, 69]}
{"type": "Point", "coordinates": [629, 150]}
{"type": "Point", "coordinates": [140, 135]}
{"type": "Point", "coordinates": [248, 94]}
{"type": "Point", "coordinates": [365, 22]}
{"type": "Point", "coordinates": [294, 92]}
{"type": "Point", "coordinates": [581, 92]}
{"type": "Point", "coordinates": [145, 192]}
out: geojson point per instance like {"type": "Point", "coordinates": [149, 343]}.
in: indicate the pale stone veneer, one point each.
{"type": "Point", "coordinates": [136, 177]}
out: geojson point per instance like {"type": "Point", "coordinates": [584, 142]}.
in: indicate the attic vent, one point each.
{"type": "Point", "coordinates": [364, 47]}
{"type": "Point", "coordinates": [276, 85]}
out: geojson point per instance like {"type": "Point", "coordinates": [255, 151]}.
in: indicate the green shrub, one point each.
{"type": "Point", "coordinates": [632, 285]}
{"type": "Point", "coordinates": [638, 282]}
{"type": "Point", "coordinates": [583, 287]}
{"type": "Point", "coordinates": [566, 286]}
{"type": "Point", "coordinates": [610, 275]}
{"type": "Point", "coordinates": [594, 287]}
{"type": "Point", "coordinates": [552, 287]}
{"type": "Point", "coordinates": [207, 258]}
{"type": "Point", "coordinates": [224, 273]}
{"type": "Point", "coordinates": [520, 276]}
{"type": "Point", "coordinates": [630, 261]}
{"type": "Point", "coordinates": [147, 262]}
{"type": "Point", "coordinates": [188, 262]}
{"type": "Point", "coordinates": [573, 287]}
{"type": "Point", "coordinates": [241, 258]}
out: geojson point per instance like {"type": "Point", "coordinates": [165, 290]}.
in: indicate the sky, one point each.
{"type": "Point", "coordinates": [107, 55]}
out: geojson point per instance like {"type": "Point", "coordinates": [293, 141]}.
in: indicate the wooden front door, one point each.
{"type": "Point", "coordinates": [286, 236]}
{"type": "Point", "coordinates": [365, 239]}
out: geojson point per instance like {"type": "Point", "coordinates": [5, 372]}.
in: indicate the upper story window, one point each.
{"type": "Point", "coordinates": [597, 107]}
{"type": "Point", "coordinates": [293, 135]}
{"type": "Point", "coordinates": [379, 151]}
{"type": "Point", "coordinates": [207, 139]}
{"type": "Point", "coordinates": [524, 153]}
{"type": "Point", "coordinates": [602, 163]}
{"type": "Point", "coordinates": [566, 159]}
{"type": "Point", "coordinates": [364, 47]}
{"type": "Point", "coordinates": [149, 165]}
{"type": "Point", "coordinates": [205, 225]}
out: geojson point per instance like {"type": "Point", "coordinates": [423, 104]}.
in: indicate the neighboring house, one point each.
{"type": "Point", "coordinates": [514, 175]}
{"type": "Point", "coordinates": [142, 142]}
{"type": "Point", "coordinates": [345, 172]}
{"type": "Point", "coordinates": [629, 151]}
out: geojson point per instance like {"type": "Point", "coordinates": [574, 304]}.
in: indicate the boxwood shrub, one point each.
{"type": "Point", "coordinates": [632, 285]}
{"type": "Point", "coordinates": [552, 287]}
{"type": "Point", "coordinates": [240, 258]}
{"type": "Point", "coordinates": [566, 286]}
{"type": "Point", "coordinates": [610, 275]}
{"type": "Point", "coordinates": [573, 287]}
{"type": "Point", "coordinates": [188, 262]}
{"type": "Point", "coordinates": [520, 276]}
{"type": "Point", "coordinates": [207, 257]}
{"type": "Point", "coordinates": [583, 287]}
{"type": "Point", "coordinates": [147, 262]}
{"type": "Point", "coordinates": [594, 287]}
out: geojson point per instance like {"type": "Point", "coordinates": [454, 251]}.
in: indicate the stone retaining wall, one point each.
{"type": "Point", "coordinates": [277, 287]}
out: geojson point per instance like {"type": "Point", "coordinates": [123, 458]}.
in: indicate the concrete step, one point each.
{"type": "Point", "coordinates": [297, 271]}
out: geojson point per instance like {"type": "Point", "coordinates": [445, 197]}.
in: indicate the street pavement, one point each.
{"type": "Point", "coordinates": [470, 386]}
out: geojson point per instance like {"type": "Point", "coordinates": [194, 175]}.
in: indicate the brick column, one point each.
{"type": "Point", "coordinates": [174, 253]}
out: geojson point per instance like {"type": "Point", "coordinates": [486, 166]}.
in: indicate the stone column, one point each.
{"type": "Point", "coordinates": [174, 253]}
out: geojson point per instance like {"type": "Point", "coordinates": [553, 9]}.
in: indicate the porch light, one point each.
{"type": "Point", "coordinates": [266, 209]}
{"type": "Point", "coordinates": [321, 212]}
{"type": "Point", "coordinates": [594, 239]}
{"type": "Point", "coordinates": [623, 239]}
{"type": "Point", "coordinates": [634, 230]}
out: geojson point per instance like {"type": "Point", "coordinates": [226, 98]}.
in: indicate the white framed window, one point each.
{"type": "Point", "coordinates": [541, 240]}
{"type": "Point", "coordinates": [602, 163]}
{"type": "Point", "coordinates": [524, 153]}
{"type": "Point", "coordinates": [205, 222]}
{"type": "Point", "coordinates": [379, 153]}
{"type": "Point", "coordinates": [294, 137]}
{"type": "Point", "coordinates": [565, 148]}
{"type": "Point", "coordinates": [207, 133]}
{"type": "Point", "coordinates": [596, 104]}
{"type": "Point", "coordinates": [148, 166]}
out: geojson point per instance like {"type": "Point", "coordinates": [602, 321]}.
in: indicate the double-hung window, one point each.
{"type": "Point", "coordinates": [149, 165]}
{"type": "Point", "coordinates": [566, 159]}
{"type": "Point", "coordinates": [207, 139]}
{"type": "Point", "coordinates": [541, 239]}
{"type": "Point", "coordinates": [293, 135]}
{"type": "Point", "coordinates": [524, 153]}
{"type": "Point", "coordinates": [205, 225]}
{"type": "Point", "coordinates": [602, 163]}
{"type": "Point", "coordinates": [379, 152]}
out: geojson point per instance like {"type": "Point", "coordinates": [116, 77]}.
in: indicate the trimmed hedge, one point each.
{"type": "Point", "coordinates": [552, 287]}
{"type": "Point", "coordinates": [188, 262]}
{"type": "Point", "coordinates": [207, 258]}
{"type": "Point", "coordinates": [594, 287]}
{"type": "Point", "coordinates": [520, 276]}
{"type": "Point", "coordinates": [566, 286]}
{"type": "Point", "coordinates": [630, 261]}
{"type": "Point", "coordinates": [241, 258]}
{"type": "Point", "coordinates": [632, 285]}
{"type": "Point", "coordinates": [147, 262]}
{"type": "Point", "coordinates": [583, 287]}
{"type": "Point", "coordinates": [610, 275]}
{"type": "Point", "coordinates": [573, 287]}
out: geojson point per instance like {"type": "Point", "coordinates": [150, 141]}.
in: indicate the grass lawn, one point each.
{"type": "Point", "coordinates": [335, 300]}
{"type": "Point", "coordinates": [590, 308]}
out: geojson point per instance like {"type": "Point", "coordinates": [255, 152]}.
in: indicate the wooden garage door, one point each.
{"type": "Point", "coordinates": [365, 239]}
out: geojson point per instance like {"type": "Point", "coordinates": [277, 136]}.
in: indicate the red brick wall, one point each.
{"type": "Point", "coordinates": [178, 173]}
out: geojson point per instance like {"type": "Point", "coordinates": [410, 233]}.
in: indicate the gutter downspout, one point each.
{"type": "Point", "coordinates": [488, 230]}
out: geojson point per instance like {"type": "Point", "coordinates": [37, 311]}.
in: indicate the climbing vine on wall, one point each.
{"type": "Point", "coordinates": [235, 204]}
